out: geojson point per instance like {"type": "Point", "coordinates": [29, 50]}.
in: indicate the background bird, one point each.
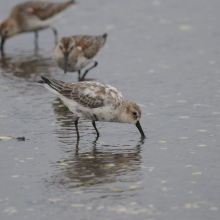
{"type": "Point", "coordinates": [31, 16]}
{"type": "Point", "coordinates": [74, 53]}
{"type": "Point", "coordinates": [95, 101]}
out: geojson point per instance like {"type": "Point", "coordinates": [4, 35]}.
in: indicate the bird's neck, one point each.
{"type": "Point", "coordinates": [123, 116]}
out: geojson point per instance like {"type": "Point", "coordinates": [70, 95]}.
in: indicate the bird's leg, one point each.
{"type": "Point", "coordinates": [93, 123]}
{"type": "Point", "coordinates": [55, 35]}
{"type": "Point", "coordinates": [94, 146]}
{"type": "Point", "coordinates": [76, 125]}
{"type": "Point", "coordinates": [79, 72]}
{"type": "Point", "coordinates": [77, 146]}
{"type": "Point", "coordinates": [95, 64]}
{"type": "Point", "coordinates": [36, 40]}
{"type": "Point", "coordinates": [2, 53]}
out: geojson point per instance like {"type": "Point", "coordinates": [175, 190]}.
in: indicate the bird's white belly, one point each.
{"type": "Point", "coordinates": [33, 24]}
{"type": "Point", "coordinates": [105, 113]}
{"type": "Point", "coordinates": [80, 64]}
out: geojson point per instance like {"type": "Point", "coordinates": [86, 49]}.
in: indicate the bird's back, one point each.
{"type": "Point", "coordinates": [33, 15]}
{"type": "Point", "coordinates": [87, 94]}
{"type": "Point", "coordinates": [90, 44]}
{"type": "Point", "coordinates": [41, 9]}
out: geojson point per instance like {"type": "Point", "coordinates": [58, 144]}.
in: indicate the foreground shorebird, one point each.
{"type": "Point", "coordinates": [95, 101]}
{"type": "Point", "coordinates": [74, 53]}
{"type": "Point", "coordinates": [31, 16]}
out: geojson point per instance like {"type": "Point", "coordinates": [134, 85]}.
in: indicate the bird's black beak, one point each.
{"type": "Point", "coordinates": [2, 44]}
{"type": "Point", "coordinates": [65, 61]}
{"type": "Point", "coordinates": [138, 125]}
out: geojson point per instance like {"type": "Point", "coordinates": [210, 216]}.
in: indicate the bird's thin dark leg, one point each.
{"type": "Point", "coordinates": [36, 40]}
{"type": "Point", "coordinates": [93, 123]}
{"type": "Point", "coordinates": [77, 147]}
{"type": "Point", "coordinates": [95, 64]}
{"type": "Point", "coordinates": [55, 35]}
{"type": "Point", "coordinates": [2, 53]}
{"type": "Point", "coordinates": [94, 146]}
{"type": "Point", "coordinates": [79, 72]}
{"type": "Point", "coordinates": [76, 125]}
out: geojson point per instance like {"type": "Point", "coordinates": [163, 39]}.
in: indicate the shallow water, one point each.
{"type": "Point", "coordinates": [162, 55]}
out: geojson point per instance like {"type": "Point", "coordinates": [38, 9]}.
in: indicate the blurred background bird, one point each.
{"type": "Point", "coordinates": [74, 53]}
{"type": "Point", "coordinates": [32, 16]}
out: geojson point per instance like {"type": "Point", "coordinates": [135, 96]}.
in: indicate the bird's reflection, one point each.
{"type": "Point", "coordinates": [63, 115]}
{"type": "Point", "coordinates": [93, 144]}
{"type": "Point", "coordinates": [96, 166]}
{"type": "Point", "coordinates": [26, 64]}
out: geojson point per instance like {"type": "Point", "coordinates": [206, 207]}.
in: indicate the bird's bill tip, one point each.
{"type": "Point", "coordinates": [138, 125]}
{"type": "Point", "coordinates": [65, 61]}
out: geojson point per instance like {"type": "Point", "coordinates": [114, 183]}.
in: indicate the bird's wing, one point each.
{"type": "Point", "coordinates": [85, 93]}
{"type": "Point", "coordinates": [90, 45]}
{"type": "Point", "coordinates": [43, 10]}
{"type": "Point", "coordinates": [88, 94]}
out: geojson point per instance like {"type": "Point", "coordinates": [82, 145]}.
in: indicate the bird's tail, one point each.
{"type": "Point", "coordinates": [104, 38]}
{"type": "Point", "coordinates": [49, 83]}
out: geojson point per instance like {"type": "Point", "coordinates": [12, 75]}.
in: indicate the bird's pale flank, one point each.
{"type": "Point", "coordinates": [74, 53]}
{"type": "Point", "coordinates": [95, 101]}
{"type": "Point", "coordinates": [31, 16]}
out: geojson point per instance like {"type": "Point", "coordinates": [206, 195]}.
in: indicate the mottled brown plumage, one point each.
{"type": "Point", "coordinates": [90, 44]}
{"type": "Point", "coordinates": [74, 53]}
{"type": "Point", "coordinates": [75, 92]}
{"type": "Point", "coordinates": [43, 10]}
{"type": "Point", "coordinates": [95, 101]}
{"type": "Point", "coordinates": [31, 16]}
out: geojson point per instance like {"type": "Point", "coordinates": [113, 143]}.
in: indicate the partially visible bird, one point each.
{"type": "Point", "coordinates": [95, 101]}
{"type": "Point", "coordinates": [32, 16]}
{"type": "Point", "coordinates": [74, 53]}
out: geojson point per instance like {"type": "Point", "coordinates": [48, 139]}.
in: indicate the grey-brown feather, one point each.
{"type": "Point", "coordinates": [83, 99]}
{"type": "Point", "coordinates": [90, 44]}
{"type": "Point", "coordinates": [72, 91]}
{"type": "Point", "coordinates": [87, 100]}
{"type": "Point", "coordinates": [56, 84]}
{"type": "Point", "coordinates": [43, 10]}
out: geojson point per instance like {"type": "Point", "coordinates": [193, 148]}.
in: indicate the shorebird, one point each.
{"type": "Point", "coordinates": [32, 16]}
{"type": "Point", "coordinates": [95, 101]}
{"type": "Point", "coordinates": [74, 53]}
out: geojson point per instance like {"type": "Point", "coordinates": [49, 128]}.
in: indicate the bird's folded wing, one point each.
{"type": "Point", "coordinates": [44, 10]}
{"type": "Point", "coordinates": [90, 45]}
{"type": "Point", "coordinates": [86, 100]}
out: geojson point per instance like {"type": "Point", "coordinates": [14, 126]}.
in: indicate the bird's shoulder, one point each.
{"type": "Point", "coordinates": [90, 45]}
{"type": "Point", "coordinates": [83, 41]}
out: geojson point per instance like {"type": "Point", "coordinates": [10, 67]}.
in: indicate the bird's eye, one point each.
{"type": "Point", "coordinates": [61, 47]}
{"type": "Point", "coordinates": [134, 113]}
{"type": "Point", "coordinates": [71, 48]}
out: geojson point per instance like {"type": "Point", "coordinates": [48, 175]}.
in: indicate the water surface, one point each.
{"type": "Point", "coordinates": [164, 55]}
